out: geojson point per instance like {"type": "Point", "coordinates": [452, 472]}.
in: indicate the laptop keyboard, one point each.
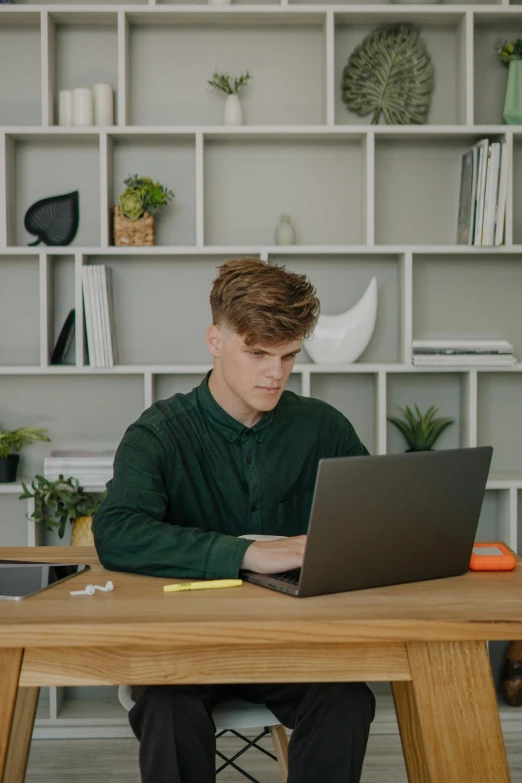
{"type": "Point", "coordinates": [289, 576]}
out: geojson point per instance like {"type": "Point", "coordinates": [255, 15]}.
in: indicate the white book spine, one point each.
{"type": "Point", "coordinates": [99, 313]}
{"type": "Point", "coordinates": [112, 318]}
{"type": "Point", "coordinates": [487, 196]}
{"type": "Point", "coordinates": [105, 316]}
{"type": "Point", "coordinates": [97, 317]}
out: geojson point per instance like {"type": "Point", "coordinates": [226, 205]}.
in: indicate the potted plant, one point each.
{"type": "Point", "coordinates": [61, 501]}
{"type": "Point", "coordinates": [12, 441]}
{"type": "Point", "coordinates": [231, 86]}
{"type": "Point", "coordinates": [511, 55]}
{"type": "Point", "coordinates": [134, 215]}
{"type": "Point", "coordinates": [420, 430]}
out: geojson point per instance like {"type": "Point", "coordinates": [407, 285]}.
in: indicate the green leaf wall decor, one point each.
{"type": "Point", "coordinates": [391, 72]}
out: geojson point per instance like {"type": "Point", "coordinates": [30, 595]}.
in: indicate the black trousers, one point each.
{"type": "Point", "coordinates": [330, 722]}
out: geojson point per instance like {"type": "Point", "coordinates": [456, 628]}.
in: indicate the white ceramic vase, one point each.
{"type": "Point", "coordinates": [341, 339]}
{"type": "Point", "coordinates": [233, 114]}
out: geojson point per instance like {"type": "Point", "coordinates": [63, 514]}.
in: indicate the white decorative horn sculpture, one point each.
{"type": "Point", "coordinates": [341, 339]}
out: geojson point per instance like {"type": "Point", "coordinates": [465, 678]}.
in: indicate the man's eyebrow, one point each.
{"type": "Point", "coordinates": [263, 350]}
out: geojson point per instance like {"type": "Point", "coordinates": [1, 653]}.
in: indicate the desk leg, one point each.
{"type": "Point", "coordinates": [409, 729]}
{"type": "Point", "coordinates": [10, 664]}
{"type": "Point", "coordinates": [448, 715]}
{"type": "Point", "coordinates": [21, 735]}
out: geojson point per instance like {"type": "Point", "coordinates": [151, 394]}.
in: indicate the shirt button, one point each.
{"type": "Point", "coordinates": [253, 508]}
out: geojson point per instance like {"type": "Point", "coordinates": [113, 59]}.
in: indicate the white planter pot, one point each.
{"type": "Point", "coordinates": [233, 114]}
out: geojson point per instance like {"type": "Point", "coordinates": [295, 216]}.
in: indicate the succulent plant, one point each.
{"type": "Point", "coordinates": [143, 195]}
{"type": "Point", "coordinates": [420, 431]}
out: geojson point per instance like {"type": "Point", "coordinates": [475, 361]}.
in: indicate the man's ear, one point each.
{"type": "Point", "coordinates": [214, 338]}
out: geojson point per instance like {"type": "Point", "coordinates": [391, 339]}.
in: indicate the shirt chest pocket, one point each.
{"type": "Point", "coordinates": [293, 514]}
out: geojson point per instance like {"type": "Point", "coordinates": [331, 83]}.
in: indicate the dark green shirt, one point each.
{"type": "Point", "coordinates": [189, 478]}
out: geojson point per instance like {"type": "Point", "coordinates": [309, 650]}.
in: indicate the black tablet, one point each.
{"type": "Point", "coordinates": [20, 580]}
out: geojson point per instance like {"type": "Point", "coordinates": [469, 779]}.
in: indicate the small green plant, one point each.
{"type": "Point", "coordinates": [420, 431]}
{"type": "Point", "coordinates": [509, 51]}
{"type": "Point", "coordinates": [143, 195]}
{"type": "Point", "coordinates": [60, 501]}
{"type": "Point", "coordinates": [230, 85]}
{"type": "Point", "coordinates": [13, 440]}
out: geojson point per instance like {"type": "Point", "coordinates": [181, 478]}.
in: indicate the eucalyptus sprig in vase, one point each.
{"type": "Point", "coordinates": [510, 54]}
{"type": "Point", "coordinates": [231, 86]}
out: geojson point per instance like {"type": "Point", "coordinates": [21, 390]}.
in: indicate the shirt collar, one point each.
{"type": "Point", "coordinates": [231, 428]}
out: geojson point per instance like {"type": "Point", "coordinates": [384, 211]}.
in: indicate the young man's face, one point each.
{"type": "Point", "coordinates": [254, 374]}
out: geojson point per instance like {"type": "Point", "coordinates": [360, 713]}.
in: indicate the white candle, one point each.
{"type": "Point", "coordinates": [82, 106]}
{"type": "Point", "coordinates": [103, 99]}
{"type": "Point", "coordinates": [65, 107]}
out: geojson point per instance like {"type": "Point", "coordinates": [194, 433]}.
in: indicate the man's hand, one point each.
{"type": "Point", "coordinates": [270, 557]}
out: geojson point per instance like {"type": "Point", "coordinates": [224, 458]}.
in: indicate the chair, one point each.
{"type": "Point", "coordinates": [232, 714]}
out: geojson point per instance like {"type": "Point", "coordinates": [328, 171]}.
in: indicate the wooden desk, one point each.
{"type": "Point", "coordinates": [427, 638]}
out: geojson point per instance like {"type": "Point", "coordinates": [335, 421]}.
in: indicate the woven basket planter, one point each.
{"type": "Point", "coordinates": [129, 232]}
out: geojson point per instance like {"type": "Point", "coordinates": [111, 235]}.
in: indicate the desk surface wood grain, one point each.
{"type": "Point", "coordinates": [475, 606]}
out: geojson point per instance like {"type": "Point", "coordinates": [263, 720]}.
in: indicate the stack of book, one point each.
{"type": "Point", "coordinates": [91, 468]}
{"type": "Point", "coordinates": [483, 189]}
{"type": "Point", "coordinates": [463, 352]}
{"type": "Point", "coordinates": [99, 315]}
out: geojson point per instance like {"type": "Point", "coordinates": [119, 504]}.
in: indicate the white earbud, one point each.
{"type": "Point", "coordinates": [109, 587]}
{"type": "Point", "coordinates": [89, 590]}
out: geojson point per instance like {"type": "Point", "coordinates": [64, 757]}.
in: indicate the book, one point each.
{"type": "Point", "coordinates": [451, 361]}
{"type": "Point", "coordinates": [87, 304]}
{"type": "Point", "coordinates": [96, 282]}
{"type": "Point", "coordinates": [483, 148]}
{"type": "Point", "coordinates": [64, 340]}
{"type": "Point", "coordinates": [112, 320]}
{"type": "Point", "coordinates": [466, 200]}
{"type": "Point", "coordinates": [502, 194]}
{"type": "Point", "coordinates": [106, 317]}
{"type": "Point", "coordinates": [502, 346]}
{"type": "Point", "coordinates": [488, 228]}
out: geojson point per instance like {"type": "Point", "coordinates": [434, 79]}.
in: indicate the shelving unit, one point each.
{"type": "Point", "coordinates": [366, 200]}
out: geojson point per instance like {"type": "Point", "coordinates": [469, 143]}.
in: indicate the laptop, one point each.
{"type": "Point", "coordinates": [390, 519]}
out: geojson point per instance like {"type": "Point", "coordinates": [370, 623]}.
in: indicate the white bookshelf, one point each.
{"type": "Point", "coordinates": [366, 200]}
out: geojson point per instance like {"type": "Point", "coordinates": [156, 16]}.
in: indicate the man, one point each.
{"type": "Point", "coordinates": [236, 455]}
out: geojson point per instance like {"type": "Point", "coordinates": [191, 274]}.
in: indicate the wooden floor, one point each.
{"type": "Point", "coordinates": [115, 761]}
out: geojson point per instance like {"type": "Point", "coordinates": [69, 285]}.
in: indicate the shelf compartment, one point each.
{"type": "Point", "coordinates": [445, 41]}
{"type": "Point", "coordinates": [249, 183]}
{"type": "Point", "coordinates": [170, 160]}
{"type": "Point", "coordinates": [161, 307]}
{"type": "Point", "coordinates": [447, 391]}
{"type": "Point", "coordinates": [489, 74]}
{"type": "Point", "coordinates": [417, 184]}
{"type": "Point", "coordinates": [20, 87]}
{"type": "Point", "coordinates": [341, 280]}
{"type": "Point", "coordinates": [85, 51]}
{"type": "Point", "coordinates": [46, 166]}
{"type": "Point", "coordinates": [355, 396]}
{"type": "Point", "coordinates": [287, 86]}
{"type": "Point", "coordinates": [457, 297]}
{"type": "Point", "coordinates": [86, 411]}
{"type": "Point", "coordinates": [19, 335]}
{"type": "Point", "coordinates": [60, 301]}
{"type": "Point", "coordinates": [498, 406]}
{"type": "Point", "coordinates": [13, 525]}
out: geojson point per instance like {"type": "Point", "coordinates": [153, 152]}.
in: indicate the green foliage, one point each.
{"type": "Point", "coordinates": [143, 195]}
{"type": "Point", "coordinates": [422, 430]}
{"type": "Point", "coordinates": [229, 84]}
{"type": "Point", "coordinates": [13, 440]}
{"type": "Point", "coordinates": [509, 51]}
{"type": "Point", "coordinates": [60, 501]}
{"type": "Point", "coordinates": [391, 72]}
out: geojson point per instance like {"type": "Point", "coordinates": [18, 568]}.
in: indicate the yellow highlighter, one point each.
{"type": "Point", "coordinates": [211, 584]}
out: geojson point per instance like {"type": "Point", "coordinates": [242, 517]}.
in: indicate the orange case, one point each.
{"type": "Point", "coordinates": [504, 562]}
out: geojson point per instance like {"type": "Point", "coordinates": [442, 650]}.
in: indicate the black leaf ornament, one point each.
{"type": "Point", "coordinates": [54, 220]}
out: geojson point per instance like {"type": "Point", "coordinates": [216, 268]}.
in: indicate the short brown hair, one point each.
{"type": "Point", "coordinates": [264, 303]}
